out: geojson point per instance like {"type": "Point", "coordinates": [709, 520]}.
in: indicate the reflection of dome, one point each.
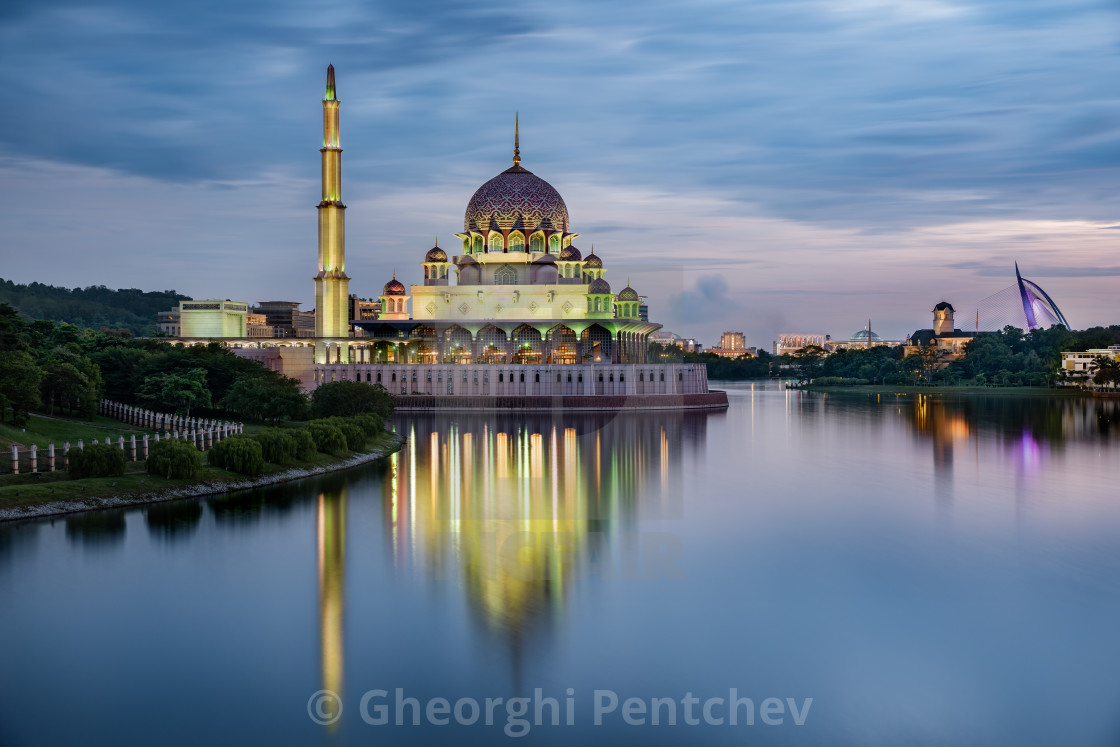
{"type": "Point", "coordinates": [598, 286]}
{"type": "Point", "coordinates": [393, 288]}
{"type": "Point", "coordinates": [592, 260]}
{"type": "Point", "coordinates": [628, 294]}
{"type": "Point", "coordinates": [861, 336]}
{"type": "Point", "coordinates": [517, 192]}
{"type": "Point", "coordinates": [435, 254]}
{"type": "Point", "coordinates": [570, 254]}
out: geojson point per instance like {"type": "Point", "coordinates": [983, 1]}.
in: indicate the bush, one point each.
{"type": "Point", "coordinates": [369, 422]}
{"type": "Point", "coordinates": [305, 444]}
{"type": "Point", "coordinates": [277, 445]}
{"type": "Point", "coordinates": [343, 398]}
{"type": "Point", "coordinates": [355, 435]}
{"type": "Point", "coordinates": [328, 438]}
{"type": "Point", "coordinates": [174, 458]}
{"type": "Point", "coordinates": [97, 460]}
{"type": "Point", "coordinates": [240, 454]}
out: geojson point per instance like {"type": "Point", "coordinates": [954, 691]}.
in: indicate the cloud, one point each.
{"type": "Point", "coordinates": [857, 155]}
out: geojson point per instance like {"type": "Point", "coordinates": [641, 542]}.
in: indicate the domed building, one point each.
{"type": "Point", "coordinates": [513, 311]}
{"type": "Point", "coordinates": [518, 291]}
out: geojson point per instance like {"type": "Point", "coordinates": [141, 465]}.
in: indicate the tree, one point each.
{"type": "Point", "coordinates": [1105, 370]}
{"type": "Point", "coordinates": [271, 398]}
{"type": "Point", "coordinates": [344, 398]}
{"type": "Point", "coordinates": [807, 362]}
{"type": "Point", "coordinates": [20, 375]}
{"type": "Point", "coordinates": [178, 392]}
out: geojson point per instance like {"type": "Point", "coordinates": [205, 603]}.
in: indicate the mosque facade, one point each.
{"type": "Point", "coordinates": [512, 310]}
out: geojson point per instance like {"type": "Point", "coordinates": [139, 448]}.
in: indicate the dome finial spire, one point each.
{"type": "Point", "coordinates": [517, 139]}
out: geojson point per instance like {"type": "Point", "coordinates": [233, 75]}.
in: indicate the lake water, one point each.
{"type": "Point", "coordinates": [927, 571]}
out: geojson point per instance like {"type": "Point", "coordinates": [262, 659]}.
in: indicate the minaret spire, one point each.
{"type": "Point", "coordinates": [517, 139]}
{"type": "Point", "coordinates": [332, 285]}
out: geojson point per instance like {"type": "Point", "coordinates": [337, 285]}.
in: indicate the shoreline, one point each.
{"type": "Point", "coordinates": [199, 489]}
{"type": "Point", "coordinates": [997, 391]}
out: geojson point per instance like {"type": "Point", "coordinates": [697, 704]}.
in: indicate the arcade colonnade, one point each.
{"type": "Point", "coordinates": [492, 343]}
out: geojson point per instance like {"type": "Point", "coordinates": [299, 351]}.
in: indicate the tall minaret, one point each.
{"type": "Point", "coordinates": [332, 286]}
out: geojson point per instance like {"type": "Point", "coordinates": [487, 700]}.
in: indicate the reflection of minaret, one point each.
{"type": "Point", "coordinates": [332, 286]}
{"type": "Point", "coordinates": [331, 524]}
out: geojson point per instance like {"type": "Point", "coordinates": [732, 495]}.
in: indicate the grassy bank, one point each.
{"type": "Point", "coordinates": [27, 492]}
{"type": "Point", "coordinates": [42, 430]}
{"type": "Point", "coordinates": [987, 391]}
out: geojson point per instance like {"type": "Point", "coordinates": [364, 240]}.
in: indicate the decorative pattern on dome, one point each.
{"type": "Point", "coordinates": [435, 254]}
{"type": "Point", "coordinates": [598, 286]}
{"type": "Point", "coordinates": [516, 193]}
{"type": "Point", "coordinates": [570, 254]}
{"type": "Point", "coordinates": [393, 288]}
{"type": "Point", "coordinates": [593, 260]}
{"type": "Point", "coordinates": [628, 294]}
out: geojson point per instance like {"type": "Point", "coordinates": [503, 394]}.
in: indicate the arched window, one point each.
{"type": "Point", "coordinates": [478, 245]}
{"type": "Point", "coordinates": [467, 245]}
{"type": "Point", "coordinates": [497, 244]}
{"type": "Point", "coordinates": [536, 242]}
{"type": "Point", "coordinates": [554, 244]}
{"type": "Point", "coordinates": [505, 275]}
{"type": "Point", "coordinates": [516, 242]}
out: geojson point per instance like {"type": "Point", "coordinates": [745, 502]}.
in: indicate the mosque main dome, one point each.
{"type": "Point", "coordinates": [516, 192]}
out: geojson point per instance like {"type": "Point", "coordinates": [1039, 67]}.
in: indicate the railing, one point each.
{"type": "Point", "coordinates": [202, 432]}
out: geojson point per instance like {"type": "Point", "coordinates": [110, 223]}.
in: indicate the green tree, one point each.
{"type": "Point", "coordinates": [807, 362]}
{"type": "Point", "coordinates": [20, 375]}
{"type": "Point", "coordinates": [175, 391]}
{"type": "Point", "coordinates": [266, 398]}
{"type": "Point", "coordinates": [344, 398]}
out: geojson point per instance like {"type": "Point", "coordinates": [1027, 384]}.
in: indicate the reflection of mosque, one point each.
{"type": "Point", "coordinates": [330, 522]}
{"type": "Point", "coordinates": [521, 507]}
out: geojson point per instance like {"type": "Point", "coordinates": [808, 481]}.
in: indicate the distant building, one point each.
{"type": "Point", "coordinates": [731, 345]}
{"type": "Point", "coordinates": [948, 341]}
{"type": "Point", "coordinates": [789, 343]}
{"type": "Point", "coordinates": [1078, 366]}
{"type": "Point", "coordinates": [285, 318]}
{"type": "Point", "coordinates": [212, 318]}
{"type": "Point", "coordinates": [643, 309]}
{"type": "Point", "coordinates": [256, 325]}
{"type": "Point", "coordinates": [862, 340]}
{"type": "Point", "coordinates": [168, 322]}
{"type": "Point", "coordinates": [363, 310]}
{"type": "Point", "coordinates": [668, 339]}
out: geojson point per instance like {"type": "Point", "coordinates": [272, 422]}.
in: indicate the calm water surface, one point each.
{"type": "Point", "coordinates": [928, 571]}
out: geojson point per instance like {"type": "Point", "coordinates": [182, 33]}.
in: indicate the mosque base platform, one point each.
{"type": "Point", "coordinates": [712, 400]}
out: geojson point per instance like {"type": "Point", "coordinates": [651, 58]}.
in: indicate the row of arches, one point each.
{"type": "Point", "coordinates": [492, 345]}
{"type": "Point", "coordinates": [493, 241]}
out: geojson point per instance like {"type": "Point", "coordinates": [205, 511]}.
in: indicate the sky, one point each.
{"type": "Point", "coordinates": [786, 166]}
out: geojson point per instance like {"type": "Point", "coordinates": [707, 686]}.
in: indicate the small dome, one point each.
{"type": "Point", "coordinates": [628, 294]}
{"type": "Point", "coordinates": [435, 254]}
{"type": "Point", "coordinates": [598, 286]}
{"type": "Point", "coordinates": [593, 261]}
{"type": "Point", "coordinates": [570, 254]}
{"type": "Point", "coordinates": [861, 336]}
{"type": "Point", "coordinates": [944, 305]}
{"type": "Point", "coordinates": [393, 288]}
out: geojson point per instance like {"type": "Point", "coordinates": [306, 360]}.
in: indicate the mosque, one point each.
{"type": "Point", "coordinates": [514, 311]}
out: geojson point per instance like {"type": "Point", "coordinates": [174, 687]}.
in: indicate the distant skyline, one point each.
{"type": "Point", "coordinates": [759, 166]}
